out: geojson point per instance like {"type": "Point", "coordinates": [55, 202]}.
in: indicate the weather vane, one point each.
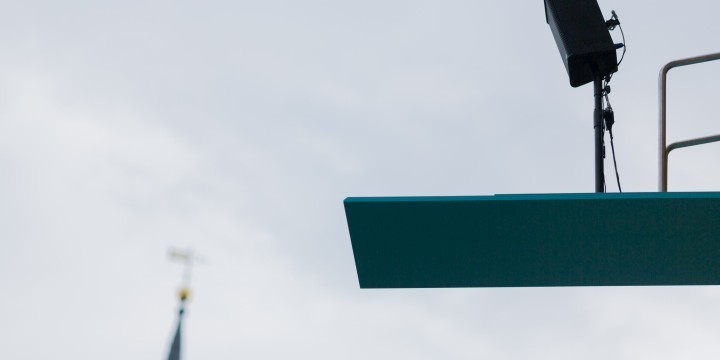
{"type": "Point", "coordinates": [188, 258]}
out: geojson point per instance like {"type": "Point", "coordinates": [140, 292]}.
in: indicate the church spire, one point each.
{"type": "Point", "coordinates": [175, 347]}
{"type": "Point", "coordinates": [188, 258]}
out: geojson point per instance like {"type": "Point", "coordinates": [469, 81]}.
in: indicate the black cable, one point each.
{"type": "Point", "coordinates": [624, 43]}
{"type": "Point", "coordinates": [612, 146]}
{"type": "Point", "coordinates": [609, 120]}
{"type": "Point", "coordinates": [608, 116]}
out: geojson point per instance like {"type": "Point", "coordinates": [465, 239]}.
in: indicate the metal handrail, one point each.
{"type": "Point", "coordinates": [692, 142]}
{"type": "Point", "coordinates": [664, 150]}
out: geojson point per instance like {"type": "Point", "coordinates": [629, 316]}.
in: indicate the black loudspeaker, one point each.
{"type": "Point", "coordinates": [583, 39]}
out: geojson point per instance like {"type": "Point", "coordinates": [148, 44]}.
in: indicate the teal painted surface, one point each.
{"type": "Point", "coordinates": [536, 240]}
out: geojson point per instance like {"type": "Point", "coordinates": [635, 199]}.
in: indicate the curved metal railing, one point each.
{"type": "Point", "coordinates": [664, 150]}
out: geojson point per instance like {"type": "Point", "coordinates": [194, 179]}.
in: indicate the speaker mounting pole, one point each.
{"type": "Point", "coordinates": [599, 132]}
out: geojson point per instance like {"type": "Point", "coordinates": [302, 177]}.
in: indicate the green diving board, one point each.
{"type": "Point", "coordinates": [627, 239]}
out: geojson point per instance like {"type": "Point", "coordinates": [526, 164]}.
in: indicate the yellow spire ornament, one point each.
{"type": "Point", "coordinates": [184, 293]}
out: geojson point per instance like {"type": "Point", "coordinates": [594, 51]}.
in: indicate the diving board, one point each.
{"type": "Point", "coordinates": [628, 239]}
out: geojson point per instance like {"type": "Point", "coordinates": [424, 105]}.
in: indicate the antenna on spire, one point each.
{"type": "Point", "coordinates": [188, 258]}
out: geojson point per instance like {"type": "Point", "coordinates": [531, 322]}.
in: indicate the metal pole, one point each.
{"type": "Point", "coordinates": [662, 129]}
{"type": "Point", "coordinates": [599, 131]}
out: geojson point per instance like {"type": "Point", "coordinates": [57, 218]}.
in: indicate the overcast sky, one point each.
{"type": "Point", "coordinates": [239, 127]}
